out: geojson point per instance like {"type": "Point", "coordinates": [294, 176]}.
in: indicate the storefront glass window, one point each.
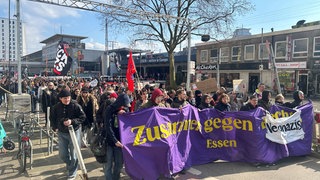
{"type": "Point", "coordinates": [287, 79]}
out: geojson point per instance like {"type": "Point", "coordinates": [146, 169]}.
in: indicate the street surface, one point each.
{"type": "Point", "coordinates": [50, 167]}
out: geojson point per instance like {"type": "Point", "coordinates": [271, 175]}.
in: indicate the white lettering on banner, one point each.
{"type": "Point", "coordinates": [284, 130]}
{"type": "Point", "coordinates": [61, 60]}
{"type": "Point", "coordinates": [292, 65]}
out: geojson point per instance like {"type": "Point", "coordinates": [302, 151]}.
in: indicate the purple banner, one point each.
{"type": "Point", "coordinates": [162, 141]}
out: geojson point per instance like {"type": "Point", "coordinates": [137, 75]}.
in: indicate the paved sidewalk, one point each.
{"type": "Point", "coordinates": [50, 167]}
{"type": "Point", "coordinates": [45, 166]}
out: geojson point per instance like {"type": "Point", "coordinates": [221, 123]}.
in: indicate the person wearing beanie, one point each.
{"type": "Point", "coordinates": [197, 96]}
{"type": "Point", "coordinates": [111, 98]}
{"type": "Point", "coordinates": [155, 100]}
{"type": "Point", "coordinates": [114, 154]}
{"type": "Point", "coordinates": [114, 95]}
{"type": "Point", "coordinates": [65, 113]}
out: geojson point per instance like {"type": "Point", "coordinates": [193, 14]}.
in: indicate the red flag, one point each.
{"type": "Point", "coordinates": [131, 69]}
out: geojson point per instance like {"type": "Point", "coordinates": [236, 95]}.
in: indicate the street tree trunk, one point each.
{"type": "Point", "coordinates": [172, 70]}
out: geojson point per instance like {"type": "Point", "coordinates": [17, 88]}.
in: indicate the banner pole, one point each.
{"type": "Point", "coordinates": [78, 152]}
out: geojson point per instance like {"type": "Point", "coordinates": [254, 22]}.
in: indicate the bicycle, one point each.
{"type": "Point", "coordinates": [25, 150]}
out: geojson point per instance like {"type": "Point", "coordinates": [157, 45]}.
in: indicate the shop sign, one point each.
{"type": "Point", "coordinates": [152, 61]}
{"type": "Point", "coordinates": [292, 65]}
{"type": "Point", "coordinates": [206, 67]}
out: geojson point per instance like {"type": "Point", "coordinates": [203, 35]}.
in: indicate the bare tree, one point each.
{"type": "Point", "coordinates": [212, 16]}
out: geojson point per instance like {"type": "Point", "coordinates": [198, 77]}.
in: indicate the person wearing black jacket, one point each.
{"type": "Point", "coordinates": [265, 101]}
{"type": "Point", "coordinates": [298, 97]}
{"type": "Point", "coordinates": [252, 104]}
{"type": "Point", "coordinates": [114, 147]}
{"type": "Point", "coordinates": [49, 98]}
{"type": "Point", "coordinates": [205, 102]}
{"type": "Point", "coordinates": [62, 115]}
{"type": "Point", "coordinates": [223, 103]}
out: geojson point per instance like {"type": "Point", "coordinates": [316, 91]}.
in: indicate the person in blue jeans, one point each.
{"type": "Point", "coordinates": [65, 113]}
{"type": "Point", "coordinates": [114, 147]}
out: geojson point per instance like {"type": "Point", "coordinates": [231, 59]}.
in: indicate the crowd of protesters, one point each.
{"type": "Point", "coordinates": [102, 101]}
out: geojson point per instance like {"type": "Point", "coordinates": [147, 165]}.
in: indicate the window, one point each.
{"type": "Point", "coordinates": [316, 47]}
{"type": "Point", "coordinates": [214, 55]}
{"type": "Point", "coordinates": [300, 47]}
{"type": "Point", "coordinates": [236, 53]}
{"type": "Point", "coordinates": [263, 52]}
{"type": "Point", "coordinates": [281, 49]}
{"type": "Point", "coordinates": [204, 56]}
{"type": "Point", "coordinates": [249, 52]}
{"type": "Point", "coordinates": [225, 54]}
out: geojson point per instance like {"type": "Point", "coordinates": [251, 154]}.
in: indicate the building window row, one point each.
{"type": "Point", "coordinates": [282, 50]}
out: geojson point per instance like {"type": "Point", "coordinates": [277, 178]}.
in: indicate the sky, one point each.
{"type": "Point", "coordinates": [43, 20]}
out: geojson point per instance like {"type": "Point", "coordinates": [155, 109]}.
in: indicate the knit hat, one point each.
{"type": "Point", "coordinates": [85, 89]}
{"type": "Point", "coordinates": [64, 93]}
{"type": "Point", "coordinates": [197, 93]}
{"type": "Point", "coordinates": [113, 95]}
{"type": "Point", "coordinates": [156, 93]}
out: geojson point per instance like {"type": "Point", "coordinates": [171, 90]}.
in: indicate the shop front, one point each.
{"type": "Point", "coordinates": [293, 76]}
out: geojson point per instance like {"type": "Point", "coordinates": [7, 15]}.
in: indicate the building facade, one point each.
{"type": "Point", "coordinates": [89, 63]}
{"type": "Point", "coordinates": [296, 53]}
{"type": "Point", "coordinates": [9, 43]}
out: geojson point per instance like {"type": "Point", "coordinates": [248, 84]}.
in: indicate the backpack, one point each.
{"type": "Point", "coordinates": [99, 147]}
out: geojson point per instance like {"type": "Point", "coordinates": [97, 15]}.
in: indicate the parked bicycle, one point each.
{"type": "Point", "coordinates": [25, 125]}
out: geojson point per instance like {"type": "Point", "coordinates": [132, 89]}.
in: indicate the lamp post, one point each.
{"type": "Point", "coordinates": [18, 46]}
{"type": "Point", "coordinates": [189, 56]}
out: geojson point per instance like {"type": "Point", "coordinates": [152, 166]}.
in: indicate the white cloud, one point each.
{"type": "Point", "coordinates": [94, 46]}
{"type": "Point", "coordinates": [48, 10]}
{"type": "Point", "coordinates": [39, 20]}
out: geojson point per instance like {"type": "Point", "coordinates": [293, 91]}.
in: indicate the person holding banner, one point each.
{"type": "Point", "coordinates": [205, 102]}
{"type": "Point", "coordinates": [155, 100]}
{"type": "Point", "coordinates": [265, 102]}
{"type": "Point", "coordinates": [114, 146]}
{"type": "Point", "coordinates": [279, 100]}
{"type": "Point", "coordinates": [223, 103]}
{"type": "Point", "coordinates": [180, 100]}
{"type": "Point", "coordinates": [298, 96]}
{"type": "Point", "coordinates": [252, 104]}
